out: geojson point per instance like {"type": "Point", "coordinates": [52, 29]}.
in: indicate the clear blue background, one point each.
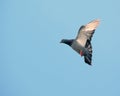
{"type": "Point", "coordinates": [34, 63]}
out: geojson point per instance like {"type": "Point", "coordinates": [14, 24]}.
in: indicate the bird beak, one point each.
{"type": "Point", "coordinates": [60, 41]}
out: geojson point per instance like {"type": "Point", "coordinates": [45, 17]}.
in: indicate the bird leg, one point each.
{"type": "Point", "coordinates": [81, 52]}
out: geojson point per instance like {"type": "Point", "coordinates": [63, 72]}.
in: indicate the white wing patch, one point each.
{"type": "Point", "coordinates": [92, 25]}
{"type": "Point", "coordinates": [86, 31]}
{"type": "Point", "coordinates": [82, 41]}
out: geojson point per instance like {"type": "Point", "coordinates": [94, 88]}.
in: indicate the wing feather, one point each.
{"type": "Point", "coordinates": [86, 32]}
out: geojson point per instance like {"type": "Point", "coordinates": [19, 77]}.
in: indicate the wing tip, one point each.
{"type": "Point", "coordinates": [92, 25]}
{"type": "Point", "coordinates": [96, 21]}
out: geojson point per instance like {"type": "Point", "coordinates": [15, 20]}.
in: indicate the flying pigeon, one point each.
{"type": "Point", "coordinates": [82, 43]}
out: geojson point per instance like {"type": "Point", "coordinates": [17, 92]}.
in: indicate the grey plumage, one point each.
{"type": "Point", "coordinates": [82, 43]}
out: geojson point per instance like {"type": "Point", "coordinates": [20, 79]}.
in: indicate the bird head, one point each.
{"type": "Point", "coordinates": [68, 42]}
{"type": "Point", "coordinates": [62, 41]}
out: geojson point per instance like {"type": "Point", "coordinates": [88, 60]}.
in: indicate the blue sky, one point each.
{"type": "Point", "coordinates": [34, 63]}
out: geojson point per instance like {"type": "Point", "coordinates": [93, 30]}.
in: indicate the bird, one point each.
{"type": "Point", "coordinates": [82, 43]}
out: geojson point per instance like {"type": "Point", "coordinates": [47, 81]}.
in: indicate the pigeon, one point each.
{"type": "Point", "coordinates": [82, 43]}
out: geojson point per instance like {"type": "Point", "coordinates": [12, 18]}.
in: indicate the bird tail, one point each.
{"type": "Point", "coordinates": [88, 55]}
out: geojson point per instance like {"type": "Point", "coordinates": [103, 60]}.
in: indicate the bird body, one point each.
{"type": "Point", "coordinates": [82, 43]}
{"type": "Point", "coordinates": [77, 46]}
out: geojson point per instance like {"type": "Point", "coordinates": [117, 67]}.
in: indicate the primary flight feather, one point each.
{"type": "Point", "coordinates": [82, 43]}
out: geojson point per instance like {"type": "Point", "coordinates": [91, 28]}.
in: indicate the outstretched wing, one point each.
{"type": "Point", "coordinates": [88, 55]}
{"type": "Point", "coordinates": [86, 31]}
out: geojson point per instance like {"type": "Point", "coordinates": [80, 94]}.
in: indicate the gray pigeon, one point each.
{"type": "Point", "coordinates": [82, 43]}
